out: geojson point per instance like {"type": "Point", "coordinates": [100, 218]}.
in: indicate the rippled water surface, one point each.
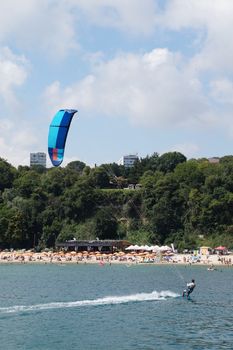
{"type": "Point", "coordinates": [114, 307]}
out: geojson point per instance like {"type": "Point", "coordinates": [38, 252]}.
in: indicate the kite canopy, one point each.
{"type": "Point", "coordinates": [58, 131]}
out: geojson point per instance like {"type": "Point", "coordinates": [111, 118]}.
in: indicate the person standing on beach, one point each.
{"type": "Point", "coordinates": [190, 287]}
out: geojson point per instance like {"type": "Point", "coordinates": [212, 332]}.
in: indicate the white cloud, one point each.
{"type": "Point", "coordinates": [134, 16]}
{"type": "Point", "coordinates": [41, 24]}
{"type": "Point", "coordinates": [222, 90]}
{"type": "Point", "coordinates": [16, 142]}
{"type": "Point", "coordinates": [13, 72]}
{"type": "Point", "coordinates": [16, 136]}
{"type": "Point", "coordinates": [149, 89]}
{"type": "Point", "coordinates": [5, 125]}
{"type": "Point", "coordinates": [211, 17]}
{"type": "Point", "coordinates": [53, 26]}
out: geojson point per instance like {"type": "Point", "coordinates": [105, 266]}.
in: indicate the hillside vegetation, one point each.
{"type": "Point", "coordinates": [188, 203]}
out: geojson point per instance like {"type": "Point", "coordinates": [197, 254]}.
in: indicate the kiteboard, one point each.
{"type": "Point", "coordinates": [185, 297]}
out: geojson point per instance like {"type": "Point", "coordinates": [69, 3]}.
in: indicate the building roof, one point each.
{"type": "Point", "coordinates": [94, 243]}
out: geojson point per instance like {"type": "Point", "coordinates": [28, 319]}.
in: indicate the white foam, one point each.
{"type": "Point", "coordinates": [110, 300]}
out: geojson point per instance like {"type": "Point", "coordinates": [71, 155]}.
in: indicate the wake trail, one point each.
{"type": "Point", "coordinates": [109, 300]}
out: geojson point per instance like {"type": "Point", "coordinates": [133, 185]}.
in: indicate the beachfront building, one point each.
{"type": "Point", "coordinates": [128, 161]}
{"type": "Point", "coordinates": [205, 250]}
{"type": "Point", "coordinates": [107, 246]}
{"type": "Point", "coordinates": [38, 158]}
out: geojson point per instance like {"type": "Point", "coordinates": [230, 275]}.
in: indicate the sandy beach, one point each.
{"type": "Point", "coordinates": [115, 258]}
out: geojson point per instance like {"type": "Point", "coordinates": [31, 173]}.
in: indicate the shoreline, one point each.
{"type": "Point", "coordinates": [210, 261]}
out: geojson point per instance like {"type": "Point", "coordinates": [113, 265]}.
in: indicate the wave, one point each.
{"type": "Point", "coordinates": [109, 300]}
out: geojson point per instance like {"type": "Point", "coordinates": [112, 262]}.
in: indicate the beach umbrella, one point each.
{"type": "Point", "coordinates": [149, 248]}
{"type": "Point", "coordinates": [220, 248]}
{"type": "Point", "coordinates": [131, 247]}
{"type": "Point", "coordinates": [144, 247]}
{"type": "Point", "coordinates": [136, 247]}
{"type": "Point", "coordinates": [155, 248]}
{"type": "Point", "coordinates": [165, 248]}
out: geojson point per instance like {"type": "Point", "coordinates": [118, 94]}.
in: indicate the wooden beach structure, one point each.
{"type": "Point", "coordinates": [205, 250]}
{"type": "Point", "coordinates": [104, 246]}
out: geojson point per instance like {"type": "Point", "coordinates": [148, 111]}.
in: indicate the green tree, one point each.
{"type": "Point", "coordinates": [100, 178]}
{"type": "Point", "coordinates": [77, 166]}
{"type": "Point", "coordinates": [53, 181]}
{"type": "Point", "coordinates": [168, 161]}
{"type": "Point", "coordinates": [78, 202]}
{"type": "Point", "coordinates": [27, 183]}
{"type": "Point", "coordinates": [105, 224]}
{"type": "Point", "coordinates": [7, 174]}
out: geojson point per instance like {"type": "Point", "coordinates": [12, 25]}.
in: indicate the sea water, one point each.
{"type": "Point", "coordinates": [114, 307]}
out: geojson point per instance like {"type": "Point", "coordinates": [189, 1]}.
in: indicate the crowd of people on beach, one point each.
{"type": "Point", "coordinates": [109, 258]}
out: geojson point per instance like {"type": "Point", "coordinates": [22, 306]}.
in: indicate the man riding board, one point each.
{"type": "Point", "coordinates": [190, 287]}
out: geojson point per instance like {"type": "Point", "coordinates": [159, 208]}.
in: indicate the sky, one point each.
{"type": "Point", "coordinates": [145, 76]}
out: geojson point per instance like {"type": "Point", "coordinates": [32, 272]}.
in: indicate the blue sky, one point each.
{"type": "Point", "coordinates": [146, 76]}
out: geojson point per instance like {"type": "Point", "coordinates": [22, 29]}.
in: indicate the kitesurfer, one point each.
{"type": "Point", "coordinates": [190, 287]}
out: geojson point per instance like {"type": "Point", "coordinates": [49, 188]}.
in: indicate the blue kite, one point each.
{"type": "Point", "coordinates": [58, 131]}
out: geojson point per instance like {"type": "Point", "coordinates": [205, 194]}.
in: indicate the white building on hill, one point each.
{"type": "Point", "coordinates": [38, 158]}
{"type": "Point", "coordinates": [128, 161]}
